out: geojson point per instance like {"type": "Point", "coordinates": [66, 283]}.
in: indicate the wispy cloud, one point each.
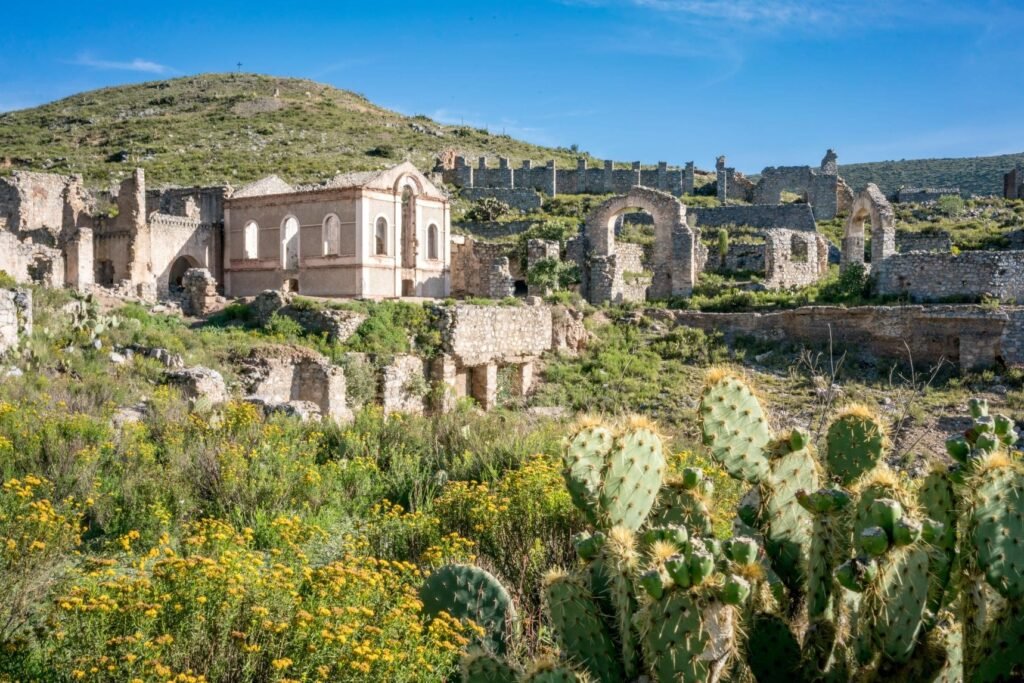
{"type": "Point", "coordinates": [137, 64]}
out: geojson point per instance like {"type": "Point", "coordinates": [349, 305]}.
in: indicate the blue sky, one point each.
{"type": "Point", "coordinates": [766, 82]}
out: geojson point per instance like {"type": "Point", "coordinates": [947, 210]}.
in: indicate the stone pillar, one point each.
{"type": "Point", "coordinates": [79, 268]}
{"type": "Point", "coordinates": [507, 179]}
{"type": "Point", "coordinates": [883, 244]}
{"type": "Point", "coordinates": [722, 180]}
{"type": "Point", "coordinates": [663, 176]}
{"type": "Point", "coordinates": [444, 371]}
{"type": "Point", "coordinates": [200, 291]}
{"type": "Point", "coordinates": [482, 163]}
{"type": "Point", "coordinates": [484, 386]}
{"type": "Point", "coordinates": [636, 182]}
{"type": "Point", "coordinates": [688, 178]}
{"type": "Point", "coordinates": [551, 178]}
{"type": "Point", "coordinates": [609, 176]}
{"type": "Point", "coordinates": [522, 379]}
{"type": "Point", "coordinates": [852, 251]}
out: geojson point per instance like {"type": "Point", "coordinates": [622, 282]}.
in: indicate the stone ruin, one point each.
{"type": "Point", "coordinates": [295, 380]}
{"type": "Point", "coordinates": [15, 317]}
{"type": "Point", "coordinates": [200, 292]}
{"type": "Point", "coordinates": [336, 324]}
{"type": "Point", "coordinates": [1013, 183]}
{"type": "Point", "coordinates": [926, 276]}
{"type": "Point", "coordinates": [924, 195]}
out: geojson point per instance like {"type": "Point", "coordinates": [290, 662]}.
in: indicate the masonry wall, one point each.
{"type": "Point", "coordinates": [969, 336]}
{"type": "Point", "coordinates": [924, 276]}
{"type": "Point", "coordinates": [176, 237]}
{"type": "Point", "coordinates": [764, 216]}
{"type": "Point", "coordinates": [821, 190]}
{"type": "Point", "coordinates": [476, 335]}
{"type": "Point", "coordinates": [480, 269]}
{"type": "Point", "coordinates": [29, 262]}
{"type": "Point", "coordinates": [520, 199]}
{"type": "Point", "coordinates": [922, 195]}
{"type": "Point", "coordinates": [923, 241]}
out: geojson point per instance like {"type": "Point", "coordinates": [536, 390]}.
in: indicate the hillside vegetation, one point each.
{"type": "Point", "coordinates": [973, 175]}
{"type": "Point", "coordinates": [216, 128]}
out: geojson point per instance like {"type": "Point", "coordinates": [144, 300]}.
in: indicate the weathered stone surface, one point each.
{"type": "Point", "coordinates": [762, 216]}
{"type": "Point", "coordinates": [929, 276]}
{"type": "Point", "coordinates": [15, 317]}
{"type": "Point", "coordinates": [200, 291]}
{"type": "Point", "coordinates": [199, 382]}
{"type": "Point", "coordinates": [869, 206]}
{"type": "Point", "coordinates": [521, 199]}
{"type": "Point", "coordinates": [794, 258]}
{"type": "Point", "coordinates": [481, 268]}
{"type": "Point", "coordinates": [279, 374]}
{"type": "Point", "coordinates": [970, 336]}
{"type": "Point", "coordinates": [822, 188]}
{"type": "Point", "coordinates": [568, 333]}
{"type": "Point", "coordinates": [923, 241]}
{"type": "Point", "coordinates": [475, 335]}
{"type": "Point", "coordinates": [924, 195]}
{"type": "Point", "coordinates": [403, 384]}
{"type": "Point", "coordinates": [337, 324]}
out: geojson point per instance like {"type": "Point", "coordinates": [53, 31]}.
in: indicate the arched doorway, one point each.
{"type": "Point", "coordinates": [290, 243]}
{"type": "Point", "coordinates": [178, 269]}
{"type": "Point", "coordinates": [871, 207]}
{"type": "Point", "coordinates": [673, 263]}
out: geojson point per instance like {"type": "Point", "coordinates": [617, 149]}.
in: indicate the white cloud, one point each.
{"type": "Point", "coordinates": [137, 64]}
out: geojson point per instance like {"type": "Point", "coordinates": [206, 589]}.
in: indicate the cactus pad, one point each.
{"type": "Point", "coordinates": [787, 525]}
{"type": "Point", "coordinates": [467, 592]}
{"type": "Point", "coordinates": [997, 519]}
{"type": "Point", "coordinates": [584, 463]}
{"type": "Point", "coordinates": [683, 505]}
{"type": "Point", "coordinates": [855, 444]}
{"type": "Point", "coordinates": [896, 602]}
{"type": "Point", "coordinates": [773, 652]}
{"type": "Point", "coordinates": [936, 499]}
{"type": "Point", "coordinates": [735, 428]}
{"type": "Point", "coordinates": [486, 668]}
{"type": "Point", "coordinates": [674, 638]}
{"type": "Point", "coordinates": [552, 672]}
{"type": "Point", "coordinates": [581, 631]}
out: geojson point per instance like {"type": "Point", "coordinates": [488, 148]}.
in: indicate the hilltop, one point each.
{"type": "Point", "coordinates": [233, 128]}
{"type": "Point", "coordinates": [216, 128]}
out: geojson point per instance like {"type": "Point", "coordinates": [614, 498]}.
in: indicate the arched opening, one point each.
{"type": "Point", "coordinates": [251, 249]}
{"type": "Point", "coordinates": [380, 235]}
{"type": "Point", "coordinates": [291, 285]}
{"type": "Point", "coordinates": [798, 250]}
{"type": "Point", "coordinates": [290, 243]}
{"type": "Point", "coordinates": [432, 250]}
{"type": "Point", "coordinates": [332, 235]}
{"type": "Point", "coordinates": [40, 270]}
{"type": "Point", "coordinates": [178, 269]}
{"type": "Point", "coordinates": [408, 228]}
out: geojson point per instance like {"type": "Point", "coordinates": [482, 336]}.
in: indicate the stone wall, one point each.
{"type": "Point", "coordinates": [1013, 183]}
{"type": "Point", "coordinates": [475, 335]}
{"type": "Point", "coordinates": [29, 262]}
{"type": "Point", "coordinates": [765, 217]}
{"type": "Point", "coordinates": [202, 204]}
{"type": "Point", "coordinates": [403, 384]}
{"type": "Point", "coordinates": [923, 241]}
{"type": "Point", "coordinates": [922, 195]}
{"type": "Point", "coordinates": [521, 199]}
{"type": "Point", "coordinates": [969, 336]}
{"type": "Point", "coordinates": [200, 291]}
{"type": "Point", "coordinates": [924, 276]}
{"type": "Point", "coordinates": [580, 180]}
{"type": "Point", "coordinates": [794, 258]}
{"type": "Point", "coordinates": [15, 317]}
{"type": "Point", "coordinates": [480, 269]}
{"type": "Point", "coordinates": [47, 202]}
{"type": "Point", "coordinates": [739, 257]}
{"type": "Point", "coordinates": [286, 374]}
{"type": "Point", "coordinates": [336, 324]}
{"type": "Point", "coordinates": [822, 187]}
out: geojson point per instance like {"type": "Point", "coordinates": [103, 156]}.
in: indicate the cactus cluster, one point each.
{"type": "Point", "coordinates": [837, 570]}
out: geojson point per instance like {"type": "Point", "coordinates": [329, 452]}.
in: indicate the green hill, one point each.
{"type": "Point", "coordinates": [973, 175]}
{"type": "Point", "coordinates": [233, 128]}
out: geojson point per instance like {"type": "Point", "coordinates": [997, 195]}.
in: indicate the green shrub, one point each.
{"type": "Point", "coordinates": [487, 209]}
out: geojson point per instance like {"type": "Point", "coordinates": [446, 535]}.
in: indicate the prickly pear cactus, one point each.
{"type": "Point", "coordinates": [856, 440]}
{"type": "Point", "coordinates": [997, 521]}
{"type": "Point", "coordinates": [938, 503]}
{"type": "Point", "coordinates": [486, 668]}
{"type": "Point", "coordinates": [678, 645]}
{"type": "Point", "coordinates": [552, 672]}
{"type": "Point", "coordinates": [612, 581]}
{"type": "Point", "coordinates": [615, 484]}
{"type": "Point", "coordinates": [581, 632]}
{"type": "Point", "coordinates": [735, 428]}
{"type": "Point", "coordinates": [787, 525]}
{"type": "Point", "coordinates": [684, 501]}
{"type": "Point", "coordinates": [894, 604]}
{"type": "Point", "coordinates": [773, 653]}
{"type": "Point", "coordinates": [467, 592]}
{"type": "Point", "coordinates": [1001, 657]}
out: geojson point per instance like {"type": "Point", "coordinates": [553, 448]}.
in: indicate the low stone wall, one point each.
{"type": "Point", "coordinates": [15, 317]}
{"type": "Point", "coordinates": [477, 335]}
{"type": "Point", "coordinates": [763, 216]}
{"type": "Point", "coordinates": [739, 257]}
{"type": "Point", "coordinates": [286, 374]}
{"type": "Point", "coordinates": [495, 229]}
{"type": "Point", "coordinates": [521, 199]}
{"type": "Point", "coordinates": [923, 241]}
{"type": "Point", "coordinates": [924, 276]}
{"type": "Point", "coordinates": [337, 324]}
{"type": "Point", "coordinates": [970, 336]}
{"type": "Point", "coordinates": [922, 195]}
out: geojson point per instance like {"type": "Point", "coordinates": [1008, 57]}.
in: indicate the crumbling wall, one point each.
{"type": "Point", "coordinates": [821, 188]}
{"type": "Point", "coordinates": [794, 258]}
{"type": "Point", "coordinates": [1013, 183]}
{"type": "Point", "coordinates": [200, 291]}
{"type": "Point", "coordinates": [971, 275]}
{"type": "Point", "coordinates": [201, 204]}
{"type": "Point", "coordinates": [969, 336]}
{"type": "Point", "coordinates": [765, 217]}
{"type": "Point", "coordinates": [284, 374]}
{"type": "Point", "coordinates": [29, 262]}
{"type": "Point", "coordinates": [924, 195]}
{"type": "Point", "coordinates": [15, 317]}
{"type": "Point", "coordinates": [731, 184]}
{"type": "Point", "coordinates": [739, 257]}
{"type": "Point", "coordinates": [923, 241]}
{"type": "Point", "coordinates": [173, 238]}
{"type": "Point", "coordinates": [475, 335]}
{"type": "Point", "coordinates": [54, 204]}
{"type": "Point", "coordinates": [870, 205]}
{"type": "Point", "coordinates": [403, 384]}
{"type": "Point", "coordinates": [480, 269]}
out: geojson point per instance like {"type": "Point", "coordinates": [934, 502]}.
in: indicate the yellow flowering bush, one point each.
{"type": "Point", "coordinates": [216, 608]}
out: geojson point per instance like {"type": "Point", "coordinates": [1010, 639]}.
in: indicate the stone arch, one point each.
{"type": "Point", "coordinates": [290, 229]}
{"type": "Point", "coordinates": [673, 266]}
{"type": "Point", "coordinates": [869, 206]}
{"type": "Point", "coordinates": [178, 269]}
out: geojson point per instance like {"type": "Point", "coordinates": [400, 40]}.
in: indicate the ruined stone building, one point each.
{"type": "Point", "coordinates": [372, 234]}
{"type": "Point", "coordinates": [1013, 183]}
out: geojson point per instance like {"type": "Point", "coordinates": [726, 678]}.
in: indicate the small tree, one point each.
{"type": "Point", "coordinates": [723, 245]}
{"type": "Point", "coordinates": [951, 205]}
{"type": "Point", "coordinates": [488, 209]}
{"type": "Point", "coordinates": [552, 275]}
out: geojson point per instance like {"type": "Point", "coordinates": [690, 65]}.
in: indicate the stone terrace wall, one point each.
{"type": "Point", "coordinates": [925, 276]}
{"type": "Point", "coordinates": [476, 335]}
{"type": "Point", "coordinates": [521, 199]}
{"type": "Point", "coordinates": [970, 336]}
{"type": "Point", "coordinates": [923, 241]}
{"type": "Point", "coordinates": [580, 180]}
{"type": "Point", "coordinates": [763, 216]}
{"type": "Point", "coordinates": [480, 269]}
{"type": "Point", "coordinates": [15, 317]}
{"type": "Point", "coordinates": [924, 194]}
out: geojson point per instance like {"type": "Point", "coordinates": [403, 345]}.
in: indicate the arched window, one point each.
{"type": "Point", "coordinates": [290, 243]}
{"type": "Point", "coordinates": [251, 248]}
{"type": "Point", "coordinates": [381, 237]}
{"type": "Point", "coordinates": [432, 242]}
{"type": "Point", "coordinates": [332, 235]}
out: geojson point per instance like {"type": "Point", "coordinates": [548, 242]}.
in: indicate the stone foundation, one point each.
{"type": "Point", "coordinates": [15, 317]}
{"type": "Point", "coordinates": [284, 374]}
